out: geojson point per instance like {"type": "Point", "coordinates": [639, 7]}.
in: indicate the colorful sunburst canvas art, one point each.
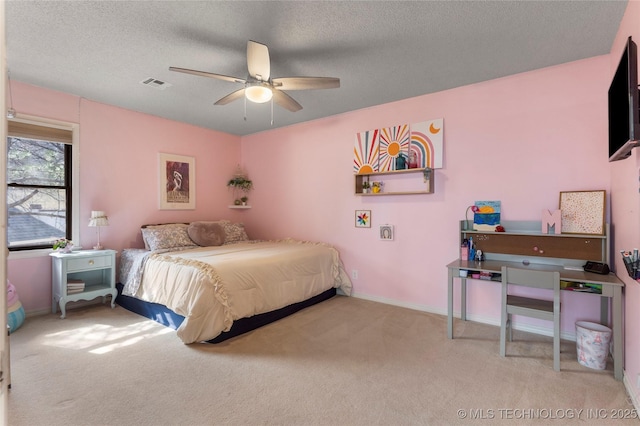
{"type": "Point", "coordinates": [394, 141]}
{"type": "Point", "coordinates": [421, 145]}
{"type": "Point", "coordinates": [366, 152]}
{"type": "Point", "coordinates": [427, 143]}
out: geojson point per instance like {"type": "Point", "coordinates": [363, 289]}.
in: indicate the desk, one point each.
{"type": "Point", "coordinates": [611, 289]}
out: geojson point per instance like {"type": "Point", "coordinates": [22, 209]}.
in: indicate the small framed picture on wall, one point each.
{"type": "Point", "coordinates": [386, 232]}
{"type": "Point", "coordinates": [363, 218]}
{"type": "Point", "coordinates": [176, 182]}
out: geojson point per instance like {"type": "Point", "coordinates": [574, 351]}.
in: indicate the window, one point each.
{"type": "Point", "coordinates": [39, 185]}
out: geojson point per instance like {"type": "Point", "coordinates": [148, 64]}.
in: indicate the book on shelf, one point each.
{"type": "Point", "coordinates": [75, 286]}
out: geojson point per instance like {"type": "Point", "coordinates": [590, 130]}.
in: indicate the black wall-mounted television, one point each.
{"type": "Point", "coordinates": [624, 105]}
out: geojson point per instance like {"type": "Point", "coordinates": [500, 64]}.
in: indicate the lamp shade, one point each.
{"type": "Point", "coordinates": [98, 218]}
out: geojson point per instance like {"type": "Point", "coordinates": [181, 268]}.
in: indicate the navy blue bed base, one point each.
{"type": "Point", "coordinates": [165, 316]}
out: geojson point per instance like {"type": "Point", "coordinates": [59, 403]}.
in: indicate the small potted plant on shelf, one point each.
{"type": "Point", "coordinates": [63, 245]}
{"type": "Point", "coordinates": [366, 187]}
{"type": "Point", "coordinates": [376, 187]}
{"type": "Point", "coordinates": [241, 183]}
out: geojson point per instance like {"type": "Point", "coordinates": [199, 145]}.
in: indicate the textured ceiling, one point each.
{"type": "Point", "coordinates": [381, 51]}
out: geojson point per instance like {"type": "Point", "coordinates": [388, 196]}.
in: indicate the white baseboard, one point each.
{"type": "Point", "coordinates": [630, 387]}
{"type": "Point", "coordinates": [416, 307]}
{"type": "Point", "coordinates": [545, 331]}
{"type": "Point", "coordinates": [37, 313]}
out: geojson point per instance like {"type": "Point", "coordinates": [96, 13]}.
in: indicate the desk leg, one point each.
{"type": "Point", "coordinates": [450, 305]}
{"type": "Point", "coordinates": [617, 332]}
{"type": "Point", "coordinates": [604, 310]}
{"type": "Point", "coordinates": [463, 299]}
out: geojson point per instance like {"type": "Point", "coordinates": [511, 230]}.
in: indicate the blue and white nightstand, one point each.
{"type": "Point", "coordinates": [82, 275]}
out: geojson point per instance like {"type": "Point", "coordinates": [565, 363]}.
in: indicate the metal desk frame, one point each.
{"type": "Point", "coordinates": [611, 291]}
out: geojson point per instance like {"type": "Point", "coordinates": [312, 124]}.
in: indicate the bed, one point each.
{"type": "Point", "coordinates": [210, 282]}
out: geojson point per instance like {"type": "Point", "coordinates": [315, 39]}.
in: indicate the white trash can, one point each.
{"type": "Point", "coordinates": [592, 341]}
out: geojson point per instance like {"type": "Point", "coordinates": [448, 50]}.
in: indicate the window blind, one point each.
{"type": "Point", "coordinates": [20, 129]}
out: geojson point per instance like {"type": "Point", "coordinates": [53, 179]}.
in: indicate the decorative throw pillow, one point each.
{"type": "Point", "coordinates": [167, 237]}
{"type": "Point", "coordinates": [234, 232]}
{"type": "Point", "coordinates": [206, 234]}
{"type": "Point", "coordinates": [162, 225]}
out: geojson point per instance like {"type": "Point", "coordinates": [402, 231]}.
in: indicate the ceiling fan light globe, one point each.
{"type": "Point", "coordinates": [258, 94]}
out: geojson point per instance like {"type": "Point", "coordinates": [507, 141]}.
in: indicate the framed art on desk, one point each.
{"type": "Point", "coordinates": [583, 212]}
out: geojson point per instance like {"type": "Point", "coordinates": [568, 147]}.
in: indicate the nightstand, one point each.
{"type": "Point", "coordinates": [82, 275]}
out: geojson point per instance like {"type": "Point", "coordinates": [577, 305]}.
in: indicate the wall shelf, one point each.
{"type": "Point", "coordinates": [239, 207]}
{"type": "Point", "coordinates": [524, 240]}
{"type": "Point", "coordinates": [398, 182]}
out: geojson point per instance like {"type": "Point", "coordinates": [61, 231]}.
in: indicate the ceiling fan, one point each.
{"type": "Point", "coordinates": [259, 87]}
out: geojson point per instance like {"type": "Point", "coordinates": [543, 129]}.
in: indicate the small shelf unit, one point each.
{"type": "Point", "coordinates": [240, 207]}
{"type": "Point", "coordinates": [398, 182]}
{"type": "Point", "coordinates": [524, 240]}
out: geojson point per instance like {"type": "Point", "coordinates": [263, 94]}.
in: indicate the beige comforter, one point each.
{"type": "Point", "coordinates": [213, 286]}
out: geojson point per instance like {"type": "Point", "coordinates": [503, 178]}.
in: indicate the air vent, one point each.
{"type": "Point", "coordinates": [155, 83]}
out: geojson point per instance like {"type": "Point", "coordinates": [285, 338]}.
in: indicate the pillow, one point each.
{"type": "Point", "coordinates": [234, 232]}
{"type": "Point", "coordinates": [162, 225]}
{"type": "Point", "coordinates": [206, 234]}
{"type": "Point", "coordinates": [166, 237]}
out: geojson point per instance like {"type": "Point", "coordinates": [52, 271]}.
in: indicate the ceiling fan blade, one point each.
{"type": "Point", "coordinates": [208, 74]}
{"type": "Point", "coordinates": [231, 97]}
{"type": "Point", "coordinates": [286, 101]}
{"type": "Point", "coordinates": [302, 83]}
{"type": "Point", "coordinates": [258, 60]}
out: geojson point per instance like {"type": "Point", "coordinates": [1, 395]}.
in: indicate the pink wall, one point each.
{"type": "Point", "coordinates": [625, 211]}
{"type": "Point", "coordinates": [119, 174]}
{"type": "Point", "coordinates": [520, 139]}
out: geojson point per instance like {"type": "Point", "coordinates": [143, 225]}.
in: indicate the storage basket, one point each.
{"type": "Point", "coordinates": [592, 342]}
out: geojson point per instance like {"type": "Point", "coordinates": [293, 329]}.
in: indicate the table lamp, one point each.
{"type": "Point", "coordinates": [98, 219]}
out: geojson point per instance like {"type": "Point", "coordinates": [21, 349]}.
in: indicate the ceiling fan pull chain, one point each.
{"type": "Point", "coordinates": [245, 108]}
{"type": "Point", "coordinates": [272, 111]}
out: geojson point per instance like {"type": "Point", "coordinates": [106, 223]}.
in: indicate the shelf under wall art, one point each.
{"type": "Point", "coordinates": [419, 145]}
{"type": "Point", "coordinates": [176, 182]}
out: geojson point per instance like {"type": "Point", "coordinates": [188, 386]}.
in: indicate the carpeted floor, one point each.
{"type": "Point", "coordinates": [345, 361]}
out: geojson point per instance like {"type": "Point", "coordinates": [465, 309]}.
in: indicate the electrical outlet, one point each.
{"type": "Point", "coordinates": [354, 274]}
